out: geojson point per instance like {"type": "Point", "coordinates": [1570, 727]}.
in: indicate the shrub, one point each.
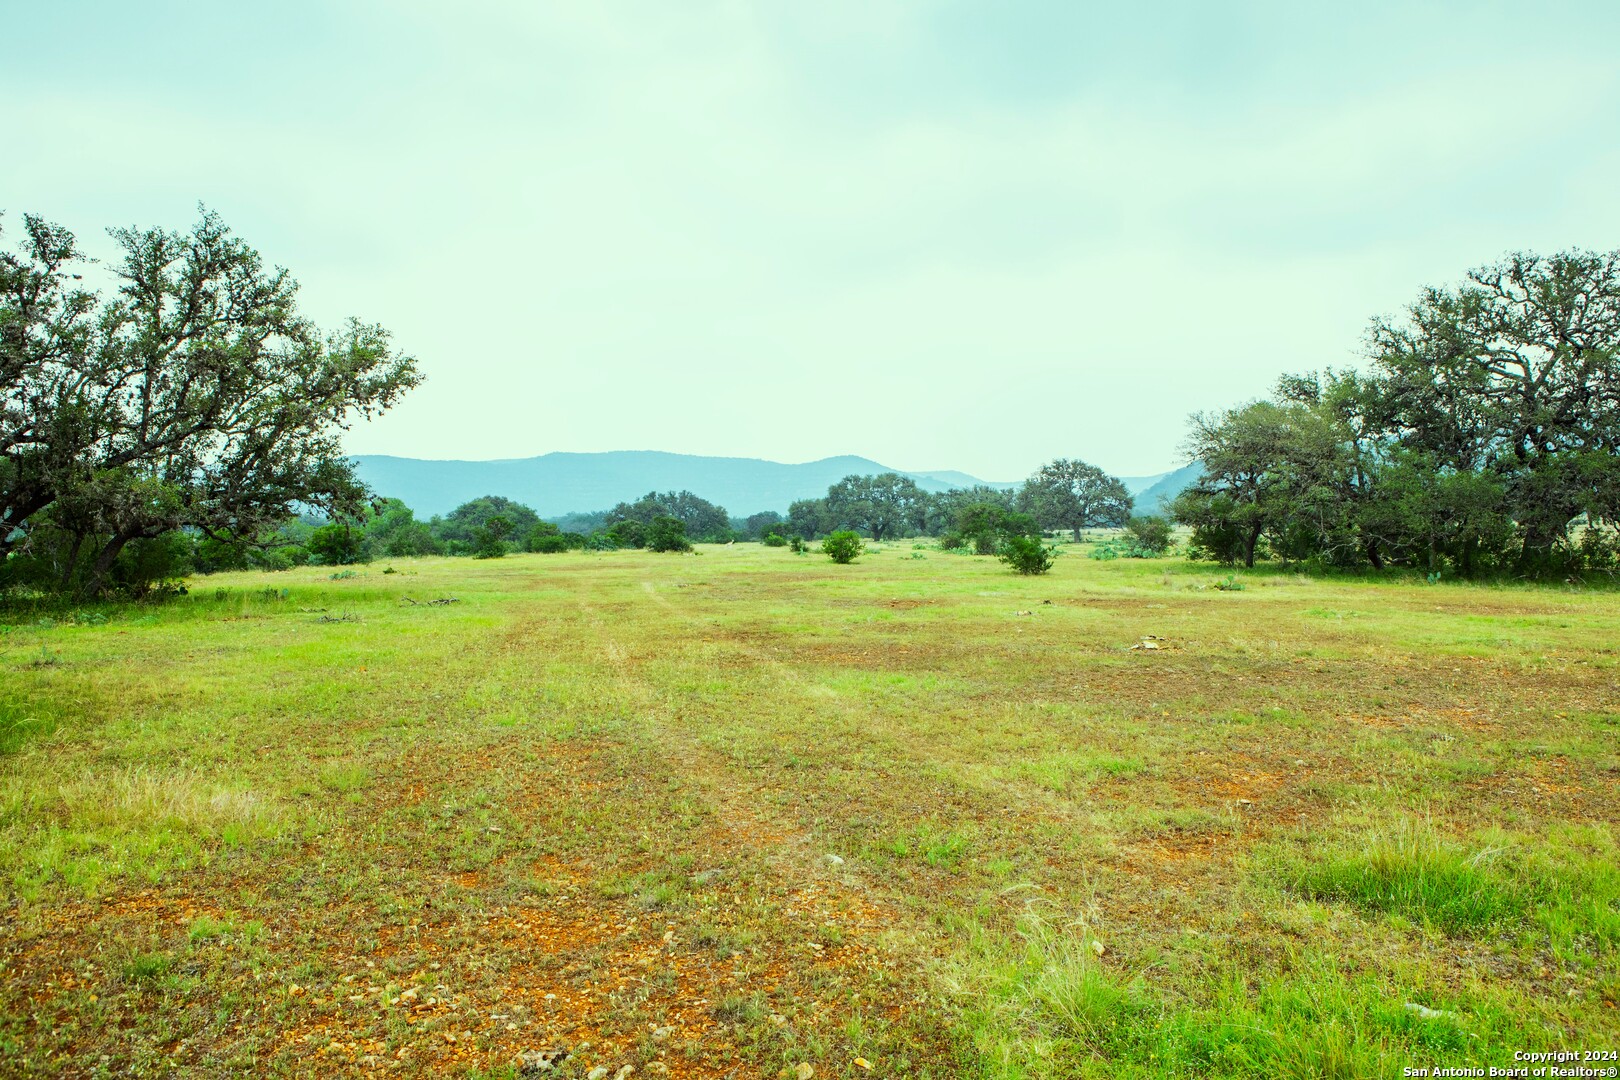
{"type": "Point", "coordinates": [549, 545]}
{"type": "Point", "coordinates": [797, 545]}
{"type": "Point", "coordinates": [628, 533]}
{"type": "Point", "coordinates": [843, 546]}
{"type": "Point", "coordinates": [1027, 555]}
{"type": "Point", "coordinates": [337, 544]}
{"type": "Point", "coordinates": [1151, 533]}
{"type": "Point", "coordinates": [667, 534]}
{"type": "Point", "coordinates": [774, 539]}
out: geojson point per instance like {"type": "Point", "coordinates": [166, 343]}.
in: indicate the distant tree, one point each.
{"type": "Point", "coordinates": [808, 518]}
{"type": "Point", "coordinates": [337, 544]}
{"type": "Point", "coordinates": [627, 533]}
{"type": "Point", "coordinates": [945, 507]}
{"type": "Point", "coordinates": [843, 546]}
{"type": "Point", "coordinates": [882, 506]}
{"type": "Point", "coordinates": [465, 529]}
{"type": "Point", "coordinates": [667, 533]}
{"type": "Point", "coordinates": [489, 539]}
{"type": "Point", "coordinates": [986, 525]}
{"type": "Point", "coordinates": [704, 521]}
{"type": "Point", "coordinates": [584, 524]}
{"type": "Point", "coordinates": [755, 526]}
{"type": "Point", "coordinates": [1073, 495]}
{"type": "Point", "coordinates": [393, 531]}
{"type": "Point", "coordinates": [1277, 471]}
{"type": "Point", "coordinates": [1150, 533]}
{"type": "Point", "coordinates": [546, 538]}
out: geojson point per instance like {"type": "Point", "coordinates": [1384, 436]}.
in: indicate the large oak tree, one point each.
{"type": "Point", "coordinates": [192, 395]}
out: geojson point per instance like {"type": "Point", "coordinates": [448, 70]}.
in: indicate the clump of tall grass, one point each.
{"type": "Point", "coordinates": [1052, 1001]}
{"type": "Point", "coordinates": [1409, 869]}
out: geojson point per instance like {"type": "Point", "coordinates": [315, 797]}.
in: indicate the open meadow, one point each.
{"type": "Point", "coordinates": [742, 812]}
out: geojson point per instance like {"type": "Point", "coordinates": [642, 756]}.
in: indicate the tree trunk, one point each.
{"type": "Point", "coordinates": [1373, 557]}
{"type": "Point", "coordinates": [104, 561]}
{"type": "Point", "coordinates": [1249, 545]}
{"type": "Point", "coordinates": [72, 562]}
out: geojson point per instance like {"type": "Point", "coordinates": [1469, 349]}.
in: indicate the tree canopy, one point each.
{"type": "Point", "coordinates": [1486, 426]}
{"type": "Point", "coordinates": [194, 396]}
{"type": "Point", "coordinates": [1073, 495]}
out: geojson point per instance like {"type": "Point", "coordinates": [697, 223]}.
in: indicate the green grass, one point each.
{"type": "Point", "coordinates": [1412, 871]}
{"type": "Point", "coordinates": [616, 779]}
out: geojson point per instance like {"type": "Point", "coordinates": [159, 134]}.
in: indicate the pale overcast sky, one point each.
{"type": "Point", "coordinates": [942, 235]}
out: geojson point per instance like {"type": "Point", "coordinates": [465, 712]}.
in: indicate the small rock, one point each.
{"type": "Point", "coordinates": [598, 1073]}
{"type": "Point", "coordinates": [624, 1071]}
{"type": "Point", "coordinates": [1098, 947]}
{"type": "Point", "coordinates": [805, 1071]}
{"type": "Point", "coordinates": [833, 860]}
{"type": "Point", "coordinates": [530, 1062]}
{"type": "Point", "coordinates": [1425, 1013]}
{"type": "Point", "coordinates": [660, 1034]}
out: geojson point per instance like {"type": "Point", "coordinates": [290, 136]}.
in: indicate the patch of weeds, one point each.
{"type": "Point", "coordinates": [206, 928]}
{"type": "Point", "coordinates": [145, 970]}
{"type": "Point", "coordinates": [1412, 871]}
{"type": "Point", "coordinates": [938, 847]}
{"type": "Point", "coordinates": [341, 575]}
{"type": "Point", "coordinates": [19, 724]}
{"type": "Point", "coordinates": [1229, 584]}
{"type": "Point", "coordinates": [725, 941]}
{"type": "Point", "coordinates": [735, 1009]}
{"type": "Point", "coordinates": [345, 778]}
{"type": "Point", "coordinates": [656, 890]}
{"type": "Point", "coordinates": [1051, 1002]}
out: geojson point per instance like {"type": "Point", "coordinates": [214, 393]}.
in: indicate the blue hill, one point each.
{"type": "Point", "coordinates": [561, 483]}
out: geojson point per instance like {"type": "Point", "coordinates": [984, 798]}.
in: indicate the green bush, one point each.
{"type": "Point", "coordinates": [773, 539]}
{"type": "Point", "coordinates": [843, 546]}
{"type": "Point", "coordinates": [337, 544]}
{"type": "Point", "coordinates": [1027, 555]}
{"type": "Point", "coordinates": [667, 534]}
{"type": "Point", "coordinates": [1151, 533]}
{"type": "Point", "coordinates": [628, 533]}
{"type": "Point", "coordinates": [797, 545]}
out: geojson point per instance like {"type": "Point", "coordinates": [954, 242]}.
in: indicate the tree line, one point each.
{"type": "Point", "coordinates": [1065, 495]}
{"type": "Point", "coordinates": [1481, 439]}
{"type": "Point", "coordinates": [188, 419]}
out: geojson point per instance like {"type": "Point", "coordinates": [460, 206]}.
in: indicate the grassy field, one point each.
{"type": "Point", "coordinates": [744, 813]}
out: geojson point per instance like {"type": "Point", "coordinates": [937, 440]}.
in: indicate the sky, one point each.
{"type": "Point", "coordinates": [947, 235]}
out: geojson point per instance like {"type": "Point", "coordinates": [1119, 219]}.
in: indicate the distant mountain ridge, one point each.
{"type": "Point", "coordinates": [562, 483]}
